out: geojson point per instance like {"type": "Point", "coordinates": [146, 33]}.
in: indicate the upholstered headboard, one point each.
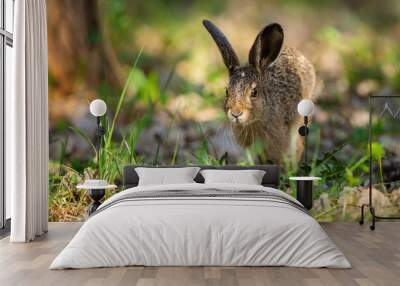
{"type": "Point", "coordinates": [270, 179]}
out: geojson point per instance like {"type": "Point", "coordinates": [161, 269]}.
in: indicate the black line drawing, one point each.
{"type": "Point", "coordinates": [388, 109]}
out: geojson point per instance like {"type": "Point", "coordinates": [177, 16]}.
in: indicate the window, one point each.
{"type": "Point", "coordinates": [6, 65]}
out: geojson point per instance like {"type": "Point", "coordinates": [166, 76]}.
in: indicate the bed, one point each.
{"type": "Point", "coordinates": [201, 224]}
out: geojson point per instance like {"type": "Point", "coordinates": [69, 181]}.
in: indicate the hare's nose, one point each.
{"type": "Point", "coordinates": [236, 113]}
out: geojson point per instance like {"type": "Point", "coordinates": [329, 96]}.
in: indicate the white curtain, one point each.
{"type": "Point", "coordinates": [27, 124]}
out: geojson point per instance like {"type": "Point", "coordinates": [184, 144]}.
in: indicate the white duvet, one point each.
{"type": "Point", "coordinates": [200, 231]}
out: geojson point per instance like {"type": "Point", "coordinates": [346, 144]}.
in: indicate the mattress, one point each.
{"type": "Point", "coordinates": [201, 225]}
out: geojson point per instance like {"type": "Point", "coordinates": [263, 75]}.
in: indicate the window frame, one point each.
{"type": "Point", "coordinates": [6, 39]}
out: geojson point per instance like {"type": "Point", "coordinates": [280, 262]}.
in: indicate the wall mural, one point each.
{"type": "Point", "coordinates": [177, 91]}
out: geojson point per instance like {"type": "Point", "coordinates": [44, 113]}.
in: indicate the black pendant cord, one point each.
{"type": "Point", "coordinates": [99, 134]}
{"type": "Point", "coordinates": [369, 205]}
{"type": "Point", "coordinates": [303, 131]}
{"type": "Point", "coordinates": [305, 142]}
{"type": "Point", "coordinates": [98, 139]}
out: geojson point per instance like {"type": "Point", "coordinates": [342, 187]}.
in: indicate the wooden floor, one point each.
{"type": "Point", "coordinates": [375, 257]}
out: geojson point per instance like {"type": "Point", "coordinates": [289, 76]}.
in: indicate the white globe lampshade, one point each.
{"type": "Point", "coordinates": [305, 107]}
{"type": "Point", "coordinates": [98, 107]}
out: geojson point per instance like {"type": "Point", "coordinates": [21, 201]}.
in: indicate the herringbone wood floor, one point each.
{"type": "Point", "coordinates": [375, 257]}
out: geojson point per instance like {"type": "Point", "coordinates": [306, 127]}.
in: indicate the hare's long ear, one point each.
{"type": "Point", "coordinates": [266, 47]}
{"type": "Point", "coordinates": [228, 54]}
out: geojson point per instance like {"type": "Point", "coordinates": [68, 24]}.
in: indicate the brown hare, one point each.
{"type": "Point", "coordinates": [262, 96]}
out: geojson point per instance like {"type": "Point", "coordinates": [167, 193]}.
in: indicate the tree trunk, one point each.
{"type": "Point", "coordinates": [81, 59]}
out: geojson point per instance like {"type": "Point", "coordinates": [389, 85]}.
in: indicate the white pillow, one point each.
{"type": "Point", "coordinates": [166, 176]}
{"type": "Point", "coordinates": [248, 177]}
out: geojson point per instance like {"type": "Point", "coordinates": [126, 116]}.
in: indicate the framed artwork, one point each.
{"type": "Point", "coordinates": [384, 142]}
{"type": "Point", "coordinates": [384, 149]}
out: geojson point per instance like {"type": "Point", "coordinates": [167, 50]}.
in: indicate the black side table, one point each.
{"type": "Point", "coordinates": [304, 191]}
{"type": "Point", "coordinates": [96, 194]}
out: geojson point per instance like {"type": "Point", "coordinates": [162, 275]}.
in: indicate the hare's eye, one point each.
{"type": "Point", "coordinates": [226, 92]}
{"type": "Point", "coordinates": [254, 93]}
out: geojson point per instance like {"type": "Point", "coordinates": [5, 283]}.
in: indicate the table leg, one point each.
{"type": "Point", "coordinates": [304, 193]}
{"type": "Point", "coordinates": [95, 195]}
